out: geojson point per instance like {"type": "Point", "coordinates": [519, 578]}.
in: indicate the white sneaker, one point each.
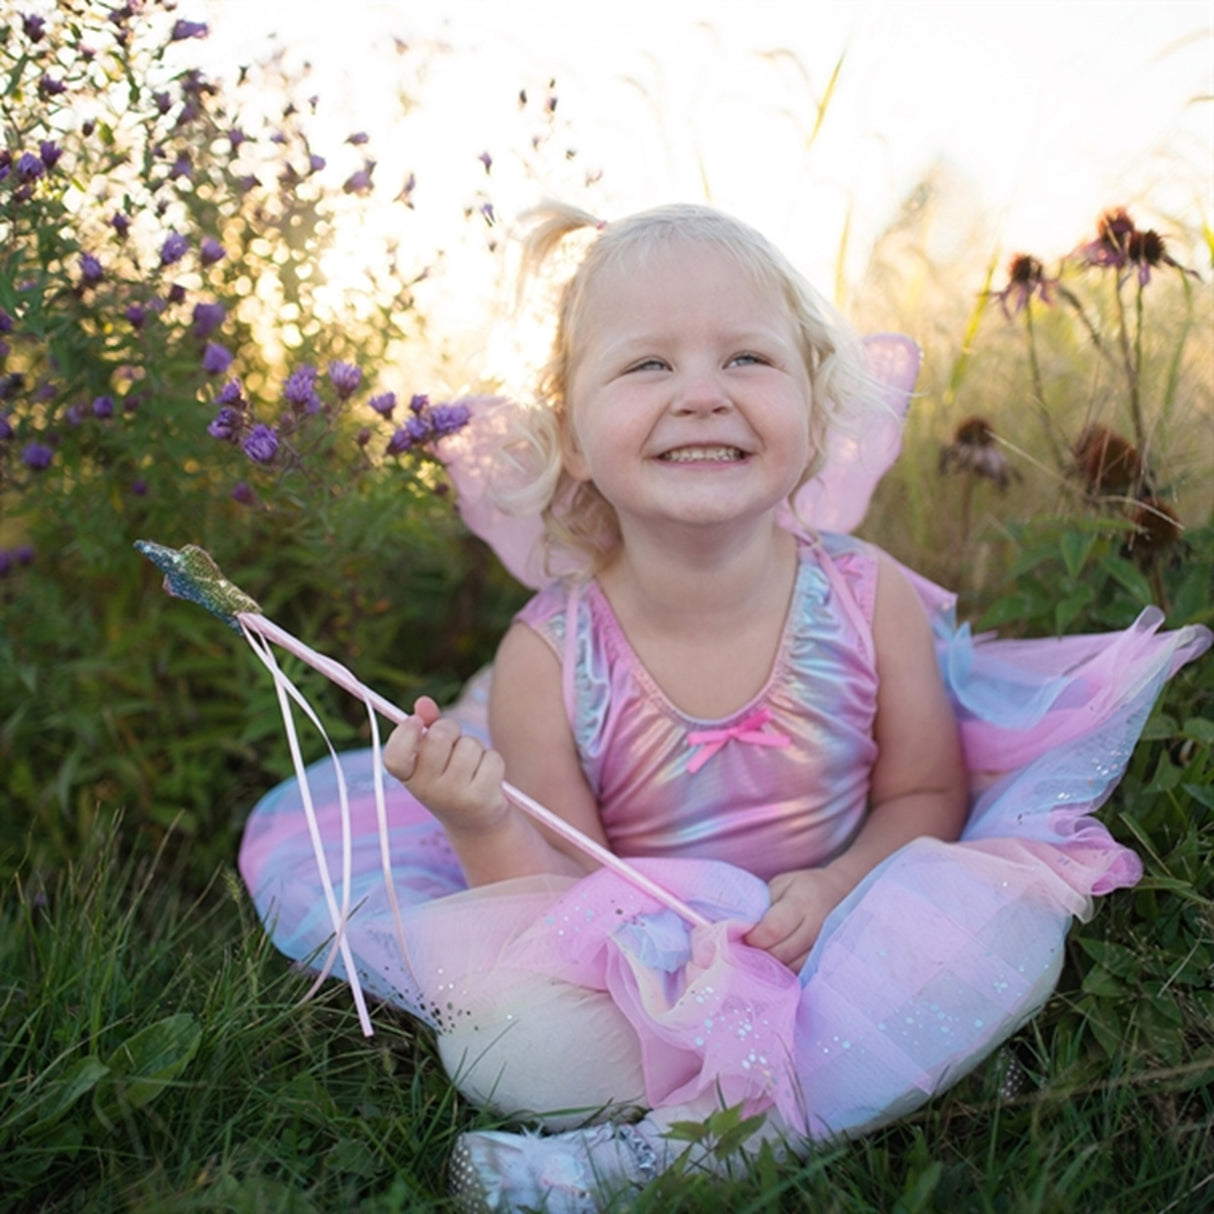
{"type": "Point", "coordinates": [497, 1173]}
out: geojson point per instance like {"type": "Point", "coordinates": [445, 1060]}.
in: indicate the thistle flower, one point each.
{"type": "Point", "coordinates": [360, 182]}
{"type": "Point", "coordinates": [226, 424]}
{"type": "Point", "coordinates": [33, 26]}
{"type": "Point", "coordinates": [345, 378]}
{"type": "Point", "coordinates": [1026, 277]}
{"type": "Point", "coordinates": [231, 394]}
{"type": "Point", "coordinates": [49, 153]}
{"type": "Point", "coordinates": [176, 293]}
{"type": "Point", "coordinates": [29, 168]}
{"type": "Point", "coordinates": [243, 494]}
{"type": "Point", "coordinates": [207, 317]}
{"type": "Point", "coordinates": [300, 390]}
{"type": "Point", "coordinates": [262, 444]}
{"type": "Point", "coordinates": [406, 437]}
{"type": "Point", "coordinates": [136, 314]}
{"type": "Point", "coordinates": [91, 272]}
{"type": "Point", "coordinates": [121, 224]}
{"type": "Point", "coordinates": [419, 402]}
{"type": "Point", "coordinates": [1106, 462]}
{"type": "Point", "coordinates": [37, 456]}
{"type": "Point", "coordinates": [216, 359]}
{"type": "Point", "coordinates": [174, 249]}
{"type": "Point", "coordinates": [103, 407]}
{"type": "Point", "coordinates": [188, 29]}
{"type": "Point", "coordinates": [48, 86]}
{"type": "Point", "coordinates": [383, 404]}
{"type": "Point", "coordinates": [447, 419]}
{"type": "Point", "coordinates": [1147, 251]}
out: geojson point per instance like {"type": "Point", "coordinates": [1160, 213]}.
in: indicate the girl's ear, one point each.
{"type": "Point", "coordinates": [572, 459]}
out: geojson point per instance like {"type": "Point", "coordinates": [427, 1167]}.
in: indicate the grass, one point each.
{"type": "Point", "coordinates": [154, 1056]}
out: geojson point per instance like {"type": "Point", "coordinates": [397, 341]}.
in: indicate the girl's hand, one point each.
{"type": "Point", "coordinates": [800, 902]}
{"type": "Point", "coordinates": [452, 775]}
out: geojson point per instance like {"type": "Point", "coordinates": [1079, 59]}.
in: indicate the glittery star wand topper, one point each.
{"type": "Point", "coordinates": [191, 573]}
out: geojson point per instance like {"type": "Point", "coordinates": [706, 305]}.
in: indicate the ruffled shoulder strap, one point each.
{"type": "Point", "coordinates": [835, 500]}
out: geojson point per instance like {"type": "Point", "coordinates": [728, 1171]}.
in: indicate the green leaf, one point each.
{"type": "Point", "coordinates": [1075, 549]}
{"type": "Point", "coordinates": [145, 1064]}
{"type": "Point", "coordinates": [1203, 794]}
{"type": "Point", "coordinates": [1129, 576]}
{"type": "Point", "coordinates": [63, 1092]}
{"type": "Point", "coordinates": [1199, 729]}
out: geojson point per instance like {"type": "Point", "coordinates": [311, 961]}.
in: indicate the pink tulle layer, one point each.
{"type": "Point", "coordinates": [938, 956]}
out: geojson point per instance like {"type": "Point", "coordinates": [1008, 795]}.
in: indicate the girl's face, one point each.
{"type": "Point", "coordinates": [689, 401]}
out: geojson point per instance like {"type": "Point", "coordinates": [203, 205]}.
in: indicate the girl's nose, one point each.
{"type": "Point", "coordinates": [702, 393]}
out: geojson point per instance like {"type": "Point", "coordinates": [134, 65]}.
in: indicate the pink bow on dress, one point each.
{"type": "Point", "coordinates": [749, 730]}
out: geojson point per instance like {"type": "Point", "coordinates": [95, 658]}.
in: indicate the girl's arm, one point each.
{"type": "Point", "coordinates": [460, 781]}
{"type": "Point", "coordinates": [918, 783]}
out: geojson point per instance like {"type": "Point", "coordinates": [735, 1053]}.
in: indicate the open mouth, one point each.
{"type": "Point", "coordinates": [699, 455]}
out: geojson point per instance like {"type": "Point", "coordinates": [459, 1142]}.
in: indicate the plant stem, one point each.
{"type": "Point", "coordinates": [1039, 386]}
{"type": "Point", "coordinates": [1132, 362]}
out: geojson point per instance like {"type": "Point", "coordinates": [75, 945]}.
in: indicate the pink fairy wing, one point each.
{"type": "Point", "coordinates": [835, 500]}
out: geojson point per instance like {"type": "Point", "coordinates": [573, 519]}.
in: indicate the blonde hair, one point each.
{"type": "Point", "coordinates": [575, 514]}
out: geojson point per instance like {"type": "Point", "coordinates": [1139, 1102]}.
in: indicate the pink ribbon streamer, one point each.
{"type": "Point", "coordinates": [750, 731]}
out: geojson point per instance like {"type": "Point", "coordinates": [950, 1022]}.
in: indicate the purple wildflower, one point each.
{"type": "Point", "coordinates": [48, 86]}
{"type": "Point", "coordinates": [243, 494]}
{"type": "Point", "coordinates": [486, 160]}
{"type": "Point", "coordinates": [188, 29]}
{"type": "Point", "coordinates": [415, 430]}
{"type": "Point", "coordinates": [357, 139]}
{"type": "Point", "coordinates": [363, 437]}
{"type": "Point", "coordinates": [262, 444]}
{"type": "Point", "coordinates": [181, 167]}
{"type": "Point", "coordinates": [91, 272]}
{"type": "Point", "coordinates": [247, 183]}
{"type": "Point", "coordinates": [37, 456]}
{"type": "Point", "coordinates": [6, 322]}
{"type": "Point", "coordinates": [136, 314]}
{"type": "Point", "coordinates": [383, 404]}
{"type": "Point", "coordinates": [225, 424]}
{"type": "Point", "coordinates": [174, 248]}
{"type": "Point", "coordinates": [300, 390]}
{"type": "Point", "coordinates": [163, 101]}
{"type": "Point", "coordinates": [33, 26]}
{"type": "Point", "coordinates": [447, 419]}
{"type": "Point", "coordinates": [419, 402]}
{"type": "Point", "coordinates": [231, 394]}
{"type": "Point", "coordinates": [315, 163]}
{"type": "Point", "coordinates": [23, 554]}
{"type": "Point", "coordinates": [360, 182]}
{"type": "Point", "coordinates": [139, 488]}
{"type": "Point", "coordinates": [177, 294]}
{"type": "Point", "coordinates": [1025, 278]}
{"type": "Point", "coordinates": [49, 153]}
{"type": "Point", "coordinates": [488, 213]}
{"type": "Point", "coordinates": [236, 137]}
{"type": "Point", "coordinates": [345, 378]}
{"type": "Point", "coordinates": [6, 562]}
{"type": "Point", "coordinates": [406, 190]}
{"type": "Point", "coordinates": [5, 349]}
{"type": "Point", "coordinates": [210, 251]}
{"type": "Point", "coordinates": [6, 429]}
{"type": "Point", "coordinates": [103, 407]}
{"type": "Point", "coordinates": [88, 126]}
{"type": "Point", "coordinates": [207, 318]}
{"type": "Point", "coordinates": [74, 414]}
{"type": "Point", "coordinates": [121, 224]}
{"type": "Point", "coordinates": [216, 359]}
{"type": "Point", "coordinates": [29, 167]}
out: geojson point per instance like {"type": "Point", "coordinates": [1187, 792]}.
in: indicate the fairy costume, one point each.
{"type": "Point", "coordinates": [940, 953]}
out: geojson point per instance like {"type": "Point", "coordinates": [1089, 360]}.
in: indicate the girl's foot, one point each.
{"type": "Point", "coordinates": [494, 1172]}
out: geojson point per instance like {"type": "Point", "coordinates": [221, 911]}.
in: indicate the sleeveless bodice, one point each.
{"type": "Point", "coordinates": [780, 784]}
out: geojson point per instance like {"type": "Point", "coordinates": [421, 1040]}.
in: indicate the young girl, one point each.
{"type": "Point", "coordinates": [751, 710]}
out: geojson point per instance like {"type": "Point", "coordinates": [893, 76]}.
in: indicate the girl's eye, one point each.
{"type": "Point", "coordinates": [747, 360]}
{"type": "Point", "coordinates": [649, 364]}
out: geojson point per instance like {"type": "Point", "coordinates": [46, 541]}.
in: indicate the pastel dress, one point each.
{"type": "Point", "coordinates": [939, 954]}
